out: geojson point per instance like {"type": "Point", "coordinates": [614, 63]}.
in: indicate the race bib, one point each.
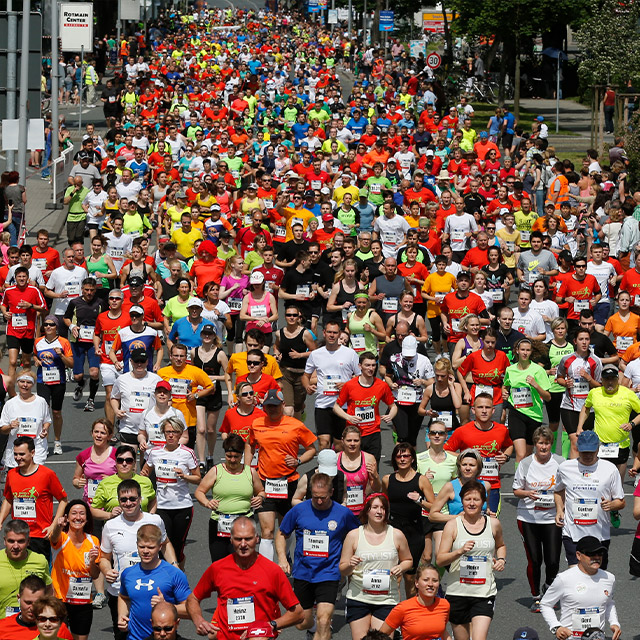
{"type": "Point", "coordinates": [315, 544]}
{"type": "Point", "coordinates": [490, 470]}
{"type": "Point", "coordinates": [544, 501]}
{"type": "Point", "coordinates": [225, 520]}
{"type": "Point", "coordinates": [497, 295]}
{"type": "Point", "coordinates": [580, 305]}
{"type": "Point", "coordinates": [73, 289]}
{"type": "Point", "coordinates": [27, 426]}
{"type": "Point", "coordinates": [277, 488]}
{"type": "Point", "coordinates": [268, 204]}
{"type": "Point", "coordinates": [179, 387]}
{"type": "Point", "coordinates": [138, 401]}
{"type": "Point", "coordinates": [11, 611]}
{"type": "Point", "coordinates": [166, 471]}
{"type": "Point", "coordinates": [390, 305]}
{"type": "Point", "coordinates": [330, 386]}
{"type": "Point", "coordinates": [235, 304]}
{"type": "Point", "coordinates": [281, 232]}
{"type": "Point", "coordinates": [155, 435]}
{"type": "Point", "coordinates": [355, 496]}
{"type": "Point", "coordinates": [583, 619]}
{"type": "Point", "coordinates": [85, 333]}
{"type": "Point", "coordinates": [458, 236]}
{"type": "Point", "coordinates": [525, 236]}
{"type": "Point", "coordinates": [446, 417]}
{"type": "Point", "coordinates": [521, 397]}
{"type": "Point", "coordinates": [623, 343]}
{"type": "Point", "coordinates": [376, 582]}
{"type": "Point", "coordinates": [116, 254]}
{"type": "Point", "coordinates": [19, 320]}
{"type": "Point", "coordinates": [129, 560]}
{"type": "Point", "coordinates": [240, 613]}
{"type": "Point", "coordinates": [585, 511]}
{"type": "Point", "coordinates": [407, 395]}
{"type": "Point", "coordinates": [455, 324]}
{"type": "Point", "coordinates": [580, 388]}
{"type": "Point", "coordinates": [609, 450]}
{"type": "Point", "coordinates": [259, 311]}
{"type": "Point", "coordinates": [79, 591]}
{"type": "Point", "coordinates": [473, 569]}
{"type": "Point", "coordinates": [50, 375]}
{"type": "Point", "coordinates": [388, 237]}
{"type": "Point", "coordinates": [367, 415]}
{"type": "Point", "coordinates": [92, 486]}
{"type": "Point", "coordinates": [357, 342]}
{"type": "Point", "coordinates": [41, 263]}
{"type": "Point", "coordinates": [304, 290]}
{"type": "Point", "coordinates": [24, 508]}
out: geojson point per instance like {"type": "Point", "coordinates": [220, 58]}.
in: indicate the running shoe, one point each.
{"type": "Point", "coordinates": [77, 394]}
{"type": "Point", "coordinates": [203, 468]}
{"type": "Point", "coordinates": [99, 601]}
{"type": "Point", "coordinates": [615, 519]}
{"type": "Point", "coordinates": [535, 607]}
{"type": "Point", "coordinates": [57, 448]}
{"type": "Point", "coordinates": [90, 406]}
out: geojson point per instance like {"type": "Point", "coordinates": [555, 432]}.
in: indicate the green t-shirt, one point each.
{"type": "Point", "coordinates": [522, 396]}
{"type": "Point", "coordinates": [375, 187]}
{"type": "Point", "coordinates": [611, 412]}
{"type": "Point", "coordinates": [174, 309]}
{"type": "Point", "coordinates": [106, 497]}
{"type": "Point", "coordinates": [76, 212]}
{"type": "Point", "coordinates": [12, 573]}
{"type": "Point", "coordinates": [555, 355]}
{"type": "Point", "coordinates": [253, 259]}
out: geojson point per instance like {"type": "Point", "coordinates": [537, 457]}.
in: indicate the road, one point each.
{"type": "Point", "coordinates": [513, 601]}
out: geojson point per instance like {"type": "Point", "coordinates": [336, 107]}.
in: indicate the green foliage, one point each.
{"type": "Point", "coordinates": [610, 42]}
{"type": "Point", "coordinates": [632, 147]}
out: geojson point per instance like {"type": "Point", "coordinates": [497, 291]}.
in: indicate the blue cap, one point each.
{"type": "Point", "coordinates": [588, 441]}
{"type": "Point", "coordinates": [483, 134]}
{"type": "Point", "coordinates": [540, 119]}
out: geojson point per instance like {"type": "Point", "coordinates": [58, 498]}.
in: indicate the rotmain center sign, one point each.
{"type": "Point", "coordinates": [76, 26]}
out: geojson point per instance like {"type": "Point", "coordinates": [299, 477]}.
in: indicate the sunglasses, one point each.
{"type": "Point", "coordinates": [49, 324]}
{"type": "Point", "coordinates": [255, 363]}
{"type": "Point", "coordinates": [125, 460]}
{"type": "Point", "coordinates": [53, 619]}
{"type": "Point", "coordinates": [403, 455]}
{"type": "Point", "coordinates": [436, 433]}
{"type": "Point", "coordinates": [115, 298]}
{"type": "Point", "coordinates": [129, 499]}
{"type": "Point", "coordinates": [165, 628]}
{"type": "Point", "coordinates": [288, 315]}
{"type": "Point", "coordinates": [246, 394]}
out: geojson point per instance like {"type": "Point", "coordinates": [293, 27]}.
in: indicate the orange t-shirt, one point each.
{"type": "Point", "coordinates": [235, 422]}
{"type": "Point", "coordinates": [623, 329]}
{"type": "Point", "coordinates": [275, 441]}
{"type": "Point", "coordinates": [238, 365]}
{"type": "Point", "coordinates": [71, 562]}
{"type": "Point", "coordinates": [183, 382]}
{"type": "Point", "coordinates": [419, 622]}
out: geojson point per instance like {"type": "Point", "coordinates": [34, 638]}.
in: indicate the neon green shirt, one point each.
{"type": "Point", "coordinates": [522, 396]}
{"type": "Point", "coordinates": [611, 412]}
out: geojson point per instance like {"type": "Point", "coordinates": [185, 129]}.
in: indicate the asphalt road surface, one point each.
{"type": "Point", "coordinates": [513, 601]}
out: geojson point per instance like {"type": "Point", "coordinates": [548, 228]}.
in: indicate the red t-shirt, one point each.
{"type": "Point", "coordinates": [555, 282]}
{"type": "Point", "coordinates": [261, 387]}
{"type": "Point", "coordinates": [234, 422]}
{"type": "Point", "coordinates": [489, 373]}
{"type": "Point", "coordinates": [22, 323]}
{"type": "Point", "coordinates": [152, 311]}
{"type": "Point", "coordinates": [360, 400]}
{"type": "Point", "coordinates": [11, 628]}
{"type": "Point", "coordinates": [47, 260]}
{"type": "Point", "coordinates": [418, 271]}
{"type": "Point", "coordinates": [455, 308]}
{"type": "Point", "coordinates": [107, 328]}
{"type": "Point", "coordinates": [580, 290]}
{"type": "Point", "coordinates": [631, 284]}
{"type": "Point", "coordinates": [476, 257]}
{"type": "Point", "coordinates": [488, 444]}
{"type": "Point", "coordinates": [207, 272]}
{"type": "Point", "coordinates": [265, 583]}
{"type": "Point", "coordinates": [37, 489]}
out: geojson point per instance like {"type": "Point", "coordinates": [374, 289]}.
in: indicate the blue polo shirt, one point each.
{"type": "Point", "coordinates": [319, 539]}
{"type": "Point", "coordinates": [140, 586]}
{"type": "Point", "coordinates": [182, 331]}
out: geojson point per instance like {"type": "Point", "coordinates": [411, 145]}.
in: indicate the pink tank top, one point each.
{"type": "Point", "coordinates": [259, 310]}
{"type": "Point", "coordinates": [355, 483]}
{"type": "Point", "coordinates": [95, 472]}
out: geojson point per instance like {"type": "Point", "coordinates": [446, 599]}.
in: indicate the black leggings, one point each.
{"type": "Point", "coordinates": [436, 328]}
{"type": "Point", "coordinates": [541, 542]}
{"type": "Point", "coordinates": [407, 423]}
{"type": "Point", "coordinates": [177, 522]}
{"type": "Point", "coordinates": [219, 547]}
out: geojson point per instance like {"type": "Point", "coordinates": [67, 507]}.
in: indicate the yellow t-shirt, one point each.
{"type": "Point", "coordinates": [512, 240]}
{"type": "Point", "coordinates": [438, 284]}
{"type": "Point", "coordinates": [185, 241]}
{"type": "Point", "coordinates": [339, 192]}
{"type": "Point", "coordinates": [183, 382]}
{"type": "Point", "coordinates": [293, 216]}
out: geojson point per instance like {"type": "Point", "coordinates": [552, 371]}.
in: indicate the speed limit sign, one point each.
{"type": "Point", "coordinates": [434, 60]}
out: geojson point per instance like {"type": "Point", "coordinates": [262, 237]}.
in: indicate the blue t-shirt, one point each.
{"type": "Point", "coordinates": [319, 538]}
{"type": "Point", "coordinates": [183, 330]}
{"type": "Point", "coordinates": [509, 120]}
{"type": "Point", "coordinates": [140, 586]}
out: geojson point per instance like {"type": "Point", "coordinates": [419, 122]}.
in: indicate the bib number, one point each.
{"type": "Point", "coordinates": [609, 450]}
{"type": "Point", "coordinates": [92, 486]}
{"type": "Point", "coordinates": [85, 334]}
{"type": "Point", "coordinates": [490, 470]}
{"type": "Point", "coordinates": [19, 320]}
{"type": "Point", "coordinates": [623, 343]}
{"type": "Point", "coordinates": [585, 511]}
{"type": "Point", "coordinates": [473, 570]}
{"type": "Point", "coordinates": [331, 385]}
{"type": "Point", "coordinates": [179, 388]}
{"type": "Point", "coordinates": [277, 488]}
{"type": "Point", "coordinates": [27, 427]}
{"type": "Point", "coordinates": [376, 582]}
{"type": "Point", "coordinates": [235, 304]}
{"type": "Point", "coordinates": [259, 311]}
{"type": "Point", "coordinates": [315, 544]}
{"type": "Point", "coordinates": [446, 417]}
{"type": "Point", "coordinates": [521, 397]}
{"type": "Point", "coordinates": [166, 471]}
{"type": "Point", "coordinates": [357, 342]}
{"type": "Point", "coordinates": [225, 520]}
{"type": "Point", "coordinates": [24, 508]}
{"type": "Point", "coordinates": [139, 402]}
{"type": "Point", "coordinates": [583, 619]}
{"type": "Point", "coordinates": [240, 613]}
{"type": "Point", "coordinates": [50, 375]}
{"type": "Point", "coordinates": [79, 591]}
{"type": "Point", "coordinates": [407, 395]}
{"type": "Point", "coordinates": [355, 496]}
{"type": "Point", "coordinates": [303, 290]}
{"type": "Point", "coordinates": [544, 501]}
{"type": "Point", "coordinates": [390, 305]}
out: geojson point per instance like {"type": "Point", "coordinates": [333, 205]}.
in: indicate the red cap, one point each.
{"type": "Point", "coordinates": [163, 384]}
{"type": "Point", "coordinates": [327, 217]}
{"type": "Point", "coordinates": [207, 246]}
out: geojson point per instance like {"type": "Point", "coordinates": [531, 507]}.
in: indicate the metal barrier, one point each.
{"type": "Point", "coordinates": [60, 173]}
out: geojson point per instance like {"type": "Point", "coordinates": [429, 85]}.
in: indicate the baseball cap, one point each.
{"type": "Point", "coordinates": [256, 278]}
{"type": "Point", "coordinates": [464, 274]}
{"type": "Point", "coordinates": [195, 302]}
{"type": "Point", "coordinates": [565, 254]}
{"type": "Point", "coordinates": [273, 398]}
{"type": "Point", "coordinates": [208, 328]}
{"type": "Point", "coordinates": [527, 633]}
{"type": "Point", "coordinates": [163, 384]}
{"type": "Point", "coordinates": [588, 441]}
{"type": "Point", "coordinates": [136, 309]}
{"type": "Point", "coordinates": [291, 175]}
{"type": "Point", "coordinates": [589, 544]}
{"type": "Point", "coordinates": [84, 156]}
{"type": "Point", "coordinates": [136, 281]}
{"type": "Point", "coordinates": [364, 193]}
{"type": "Point", "coordinates": [253, 185]}
{"type": "Point", "coordinates": [328, 462]}
{"type": "Point", "coordinates": [327, 217]}
{"type": "Point", "coordinates": [409, 346]}
{"type": "Point", "coordinates": [540, 119]}
{"type": "Point", "coordinates": [224, 234]}
{"type": "Point", "coordinates": [483, 134]}
{"type": "Point", "coordinates": [111, 163]}
{"type": "Point", "coordinates": [610, 371]}
{"type": "Point", "coordinates": [325, 190]}
{"type": "Point", "coordinates": [423, 222]}
{"type": "Point", "coordinates": [139, 355]}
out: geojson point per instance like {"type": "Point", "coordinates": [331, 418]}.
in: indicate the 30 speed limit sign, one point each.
{"type": "Point", "coordinates": [434, 60]}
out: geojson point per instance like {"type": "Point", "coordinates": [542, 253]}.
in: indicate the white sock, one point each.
{"type": "Point", "coordinates": [266, 549]}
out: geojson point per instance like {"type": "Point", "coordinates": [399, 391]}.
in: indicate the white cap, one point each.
{"type": "Point", "coordinates": [328, 462]}
{"type": "Point", "coordinates": [256, 278]}
{"type": "Point", "coordinates": [196, 302]}
{"type": "Point", "coordinates": [409, 346]}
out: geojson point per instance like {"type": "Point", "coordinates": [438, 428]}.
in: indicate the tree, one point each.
{"type": "Point", "coordinates": [610, 42]}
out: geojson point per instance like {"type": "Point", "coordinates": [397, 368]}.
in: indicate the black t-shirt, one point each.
{"type": "Point", "coordinates": [374, 268]}
{"type": "Point", "coordinates": [474, 202]}
{"type": "Point", "coordinates": [497, 278]}
{"type": "Point", "coordinates": [600, 344]}
{"type": "Point", "coordinates": [294, 279]}
{"type": "Point", "coordinates": [394, 347]}
{"type": "Point", "coordinates": [84, 313]}
{"type": "Point", "coordinates": [507, 342]}
{"type": "Point", "coordinates": [288, 250]}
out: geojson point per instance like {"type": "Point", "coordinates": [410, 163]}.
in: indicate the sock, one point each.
{"type": "Point", "coordinates": [80, 382]}
{"type": "Point", "coordinates": [266, 549]}
{"type": "Point", "coordinates": [566, 445]}
{"type": "Point", "coordinates": [93, 388]}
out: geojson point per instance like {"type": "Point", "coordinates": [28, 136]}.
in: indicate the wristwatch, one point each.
{"type": "Point", "coordinates": [555, 629]}
{"type": "Point", "coordinates": [299, 461]}
{"type": "Point", "coordinates": [274, 626]}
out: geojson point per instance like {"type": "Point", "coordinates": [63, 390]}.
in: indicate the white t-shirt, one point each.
{"type": "Point", "coordinates": [117, 247]}
{"type": "Point", "coordinates": [136, 395]}
{"type": "Point", "coordinates": [457, 226]}
{"type": "Point", "coordinates": [546, 308]}
{"type": "Point", "coordinates": [577, 590]}
{"type": "Point", "coordinates": [532, 474]}
{"type": "Point", "coordinates": [585, 486]}
{"type": "Point", "coordinates": [391, 232]}
{"type": "Point", "coordinates": [632, 372]}
{"type": "Point", "coordinates": [95, 202]}
{"type": "Point", "coordinates": [172, 492]}
{"type": "Point", "coordinates": [151, 421]}
{"type": "Point", "coordinates": [332, 367]}
{"type": "Point", "coordinates": [568, 367]}
{"type": "Point", "coordinates": [129, 191]}
{"type": "Point", "coordinates": [602, 273]}
{"type": "Point", "coordinates": [530, 323]}
{"type": "Point", "coordinates": [31, 417]}
{"type": "Point", "coordinates": [66, 279]}
{"type": "Point", "coordinates": [217, 317]}
{"type": "Point", "coordinates": [119, 539]}
{"type": "Point", "coordinates": [35, 275]}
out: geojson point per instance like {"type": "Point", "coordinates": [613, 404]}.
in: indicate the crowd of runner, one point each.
{"type": "Point", "coordinates": [269, 239]}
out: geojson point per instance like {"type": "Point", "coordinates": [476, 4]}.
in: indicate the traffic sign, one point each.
{"type": "Point", "coordinates": [434, 60]}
